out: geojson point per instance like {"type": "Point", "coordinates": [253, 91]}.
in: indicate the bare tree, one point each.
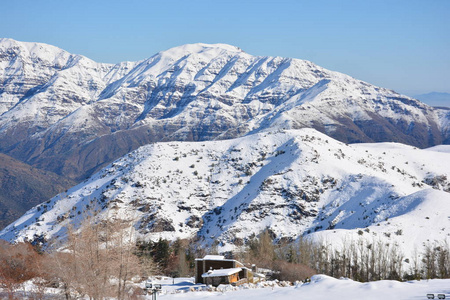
{"type": "Point", "coordinates": [262, 250]}
{"type": "Point", "coordinates": [97, 259]}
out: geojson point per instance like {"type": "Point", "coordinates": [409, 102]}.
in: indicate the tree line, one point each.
{"type": "Point", "coordinates": [360, 260]}
{"type": "Point", "coordinates": [101, 259]}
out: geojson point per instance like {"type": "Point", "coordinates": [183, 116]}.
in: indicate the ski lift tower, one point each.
{"type": "Point", "coordinates": [152, 288]}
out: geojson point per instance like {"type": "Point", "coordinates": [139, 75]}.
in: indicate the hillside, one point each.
{"type": "Point", "coordinates": [22, 187]}
{"type": "Point", "coordinates": [292, 182]}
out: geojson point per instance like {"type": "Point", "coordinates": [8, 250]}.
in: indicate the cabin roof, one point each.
{"type": "Point", "coordinates": [214, 257]}
{"type": "Point", "coordinates": [221, 272]}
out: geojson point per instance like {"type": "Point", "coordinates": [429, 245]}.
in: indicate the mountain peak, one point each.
{"type": "Point", "coordinates": [30, 47]}
{"type": "Point", "coordinates": [40, 54]}
{"type": "Point", "coordinates": [199, 48]}
{"type": "Point", "coordinates": [207, 50]}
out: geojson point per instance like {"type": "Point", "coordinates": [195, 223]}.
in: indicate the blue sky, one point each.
{"type": "Point", "coordinates": [401, 45]}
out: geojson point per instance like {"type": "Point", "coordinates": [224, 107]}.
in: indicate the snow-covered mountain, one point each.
{"type": "Point", "coordinates": [70, 115]}
{"type": "Point", "coordinates": [291, 182]}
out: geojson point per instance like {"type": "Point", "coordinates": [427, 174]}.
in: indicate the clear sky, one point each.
{"type": "Point", "coordinates": [401, 45]}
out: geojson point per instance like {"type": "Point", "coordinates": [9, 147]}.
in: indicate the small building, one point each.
{"type": "Point", "coordinates": [215, 269]}
{"type": "Point", "coordinates": [221, 276]}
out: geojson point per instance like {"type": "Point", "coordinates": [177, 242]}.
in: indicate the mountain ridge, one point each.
{"type": "Point", "coordinates": [190, 92]}
{"type": "Point", "coordinates": [293, 183]}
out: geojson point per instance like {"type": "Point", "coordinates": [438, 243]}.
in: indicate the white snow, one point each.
{"type": "Point", "coordinates": [321, 287]}
{"type": "Point", "coordinates": [221, 272]}
{"type": "Point", "coordinates": [295, 182]}
{"type": "Point", "coordinates": [440, 148]}
{"type": "Point", "coordinates": [214, 257]}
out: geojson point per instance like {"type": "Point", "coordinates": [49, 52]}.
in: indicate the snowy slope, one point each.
{"type": "Point", "coordinates": [323, 287]}
{"type": "Point", "coordinates": [292, 182]}
{"type": "Point", "coordinates": [68, 114]}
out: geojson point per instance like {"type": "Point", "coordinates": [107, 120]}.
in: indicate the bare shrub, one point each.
{"type": "Point", "coordinates": [18, 263]}
{"type": "Point", "coordinates": [292, 271]}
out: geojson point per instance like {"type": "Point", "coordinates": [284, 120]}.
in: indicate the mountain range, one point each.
{"type": "Point", "coordinates": [66, 115]}
{"type": "Point", "coordinates": [70, 115]}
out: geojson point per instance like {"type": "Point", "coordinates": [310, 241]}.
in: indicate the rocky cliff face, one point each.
{"type": "Point", "coordinates": [70, 115]}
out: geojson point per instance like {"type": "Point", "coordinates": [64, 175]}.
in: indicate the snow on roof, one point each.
{"type": "Point", "coordinates": [214, 257]}
{"type": "Point", "coordinates": [221, 272]}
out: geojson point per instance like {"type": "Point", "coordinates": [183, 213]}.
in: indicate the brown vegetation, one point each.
{"type": "Point", "coordinates": [99, 259]}
{"type": "Point", "coordinates": [19, 263]}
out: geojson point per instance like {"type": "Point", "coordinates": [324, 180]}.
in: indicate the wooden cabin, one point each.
{"type": "Point", "coordinates": [215, 270]}
{"type": "Point", "coordinates": [221, 276]}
